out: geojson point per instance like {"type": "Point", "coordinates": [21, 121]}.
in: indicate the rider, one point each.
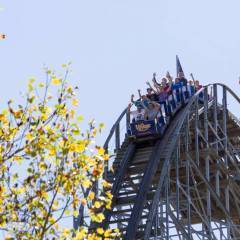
{"type": "Point", "coordinates": [151, 95]}
{"type": "Point", "coordinates": [171, 98]}
{"type": "Point", "coordinates": [161, 95]}
{"type": "Point", "coordinates": [184, 82]}
{"type": "Point", "coordinates": [153, 111]}
{"type": "Point", "coordinates": [191, 88]}
{"type": "Point", "coordinates": [177, 89]}
{"type": "Point", "coordinates": [137, 115]}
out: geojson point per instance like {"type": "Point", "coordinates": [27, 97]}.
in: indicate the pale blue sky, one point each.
{"type": "Point", "coordinates": [116, 45]}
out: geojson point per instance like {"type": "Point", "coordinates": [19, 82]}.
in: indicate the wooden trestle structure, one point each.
{"type": "Point", "coordinates": [185, 185]}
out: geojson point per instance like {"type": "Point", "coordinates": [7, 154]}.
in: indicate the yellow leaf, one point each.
{"type": "Point", "coordinates": [109, 195]}
{"type": "Point", "coordinates": [83, 201]}
{"type": "Point", "coordinates": [67, 212]}
{"type": "Point", "coordinates": [106, 184]}
{"type": "Point", "coordinates": [75, 102]}
{"type": "Point", "coordinates": [41, 85]}
{"type": "Point", "coordinates": [81, 234]}
{"type": "Point", "coordinates": [100, 231]}
{"type": "Point", "coordinates": [106, 157]}
{"type": "Point", "coordinates": [80, 148]}
{"type": "Point", "coordinates": [108, 233]}
{"type": "Point", "coordinates": [66, 232]}
{"type": "Point", "coordinates": [42, 166]}
{"type": "Point", "coordinates": [75, 213]}
{"type": "Point", "coordinates": [80, 118]}
{"type": "Point", "coordinates": [52, 220]}
{"type": "Point", "coordinates": [100, 217]}
{"type": "Point", "coordinates": [29, 136]}
{"type": "Point", "coordinates": [32, 80]}
{"type": "Point", "coordinates": [56, 81]}
{"type": "Point", "coordinates": [21, 190]}
{"type": "Point", "coordinates": [86, 183]}
{"type": "Point", "coordinates": [97, 204]}
{"type": "Point", "coordinates": [101, 151]}
{"type": "Point", "coordinates": [91, 196]}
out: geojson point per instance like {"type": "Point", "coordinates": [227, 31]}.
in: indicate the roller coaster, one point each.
{"type": "Point", "coordinates": [185, 184]}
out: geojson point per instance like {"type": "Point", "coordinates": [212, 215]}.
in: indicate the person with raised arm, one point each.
{"type": "Point", "coordinates": [184, 82]}
{"type": "Point", "coordinates": [144, 99]}
{"type": "Point", "coordinates": [151, 95]}
{"type": "Point", "coordinates": [197, 85]}
{"type": "Point", "coordinates": [177, 89]}
{"type": "Point", "coordinates": [162, 96]}
{"type": "Point", "coordinates": [136, 115]}
{"type": "Point", "coordinates": [156, 90]}
{"type": "Point", "coordinates": [153, 112]}
{"type": "Point", "coordinates": [136, 103]}
{"type": "Point", "coordinates": [197, 88]}
{"type": "Point", "coordinates": [155, 83]}
{"type": "Point", "coordinates": [171, 97]}
{"type": "Point", "coordinates": [164, 84]}
{"type": "Point", "coordinates": [162, 100]}
{"type": "Point", "coordinates": [191, 87]}
{"type": "Point", "coordinates": [182, 78]}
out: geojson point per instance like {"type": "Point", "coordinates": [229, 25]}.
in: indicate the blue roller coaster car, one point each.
{"type": "Point", "coordinates": [155, 128]}
{"type": "Point", "coordinates": [146, 128]}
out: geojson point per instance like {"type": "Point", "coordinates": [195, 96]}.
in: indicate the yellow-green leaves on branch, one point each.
{"type": "Point", "coordinates": [49, 166]}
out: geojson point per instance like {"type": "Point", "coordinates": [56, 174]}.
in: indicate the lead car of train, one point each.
{"type": "Point", "coordinates": [151, 128]}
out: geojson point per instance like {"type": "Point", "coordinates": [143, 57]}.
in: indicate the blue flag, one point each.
{"type": "Point", "coordinates": [179, 66]}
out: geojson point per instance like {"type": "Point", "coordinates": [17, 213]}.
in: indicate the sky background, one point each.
{"type": "Point", "coordinates": [115, 46]}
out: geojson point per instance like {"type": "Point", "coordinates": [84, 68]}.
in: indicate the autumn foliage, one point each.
{"type": "Point", "coordinates": [49, 167]}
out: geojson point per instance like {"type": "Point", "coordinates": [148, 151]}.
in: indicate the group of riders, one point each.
{"type": "Point", "coordinates": [162, 98]}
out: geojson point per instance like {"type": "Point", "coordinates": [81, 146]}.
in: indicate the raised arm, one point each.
{"type": "Point", "coordinates": [154, 77]}
{"type": "Point", "coordinates": [129, 107]}
{"type": "Point", "coordinates": [156, 85]}
{"type": "Point", "coordinates": [132, 99]}
{"type": "Point", "coordinates": [154, 80]}
{"type": "Point", "coordinates": [150, 86]}
{"type": "Point", "coordinates": [139, 93]}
